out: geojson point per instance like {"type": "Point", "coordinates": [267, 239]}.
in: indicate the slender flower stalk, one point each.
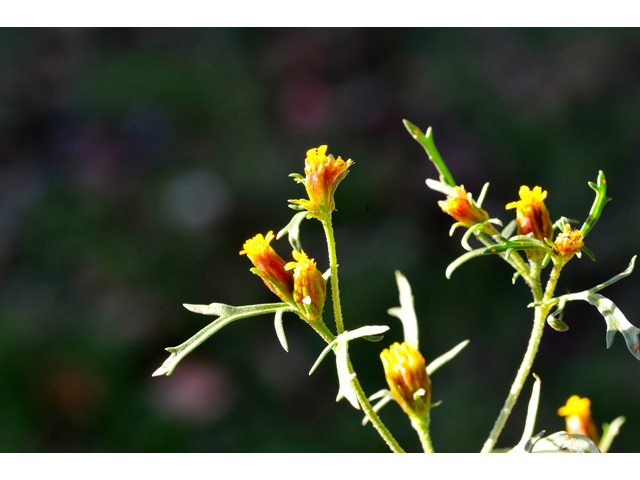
{"type": "Point", "coordinates": [421, 425]}
{"type": "Point", "coordinates": [333, 265]}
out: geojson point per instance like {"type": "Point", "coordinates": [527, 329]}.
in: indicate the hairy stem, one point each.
{"type": "Point", "coordinates": [333, 265]}
{"type": "Point", "coordinates": [328, 337]}
{"type": "Point", "coordinates": [372, 415]}
{"type": "Point", "coordinates": [421, 425]}
{"type": "Point", "coordinates": [540, 316]}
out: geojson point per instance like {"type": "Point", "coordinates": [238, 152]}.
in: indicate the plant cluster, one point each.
{"type": "Point", "coordinates": [529, 244]}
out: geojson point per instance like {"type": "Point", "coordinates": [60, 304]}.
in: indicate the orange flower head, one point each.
{"type": "Point", "coordinates": [532, 216]}
{"type": "Point", "coordinates": [461, 207]}
{"type": "Point", "coordinates": [309, 288]}
{"type": "Point", "coordinates": [569, 242]}
{"type": "Point", "coordinates": [407, 377]}
{"type": "Point", "coordinates": [271, 268]}
{"type": "Point", "coordinates": [323, 174]}
{"type": "Point", "coordinates": [578, 417]}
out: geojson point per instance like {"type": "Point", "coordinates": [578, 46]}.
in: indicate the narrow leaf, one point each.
{"type": "Point", "coordinates": [483, 193]}
{"type": "Point", "coordinates": [280, 330]}
{"type": "Point", "coordinates": [627, 271]}
{"type": "Point", "coordinates": [227, 314]}
{"type": "Point", "coordinates": [345, 375]}
{"type": "Point", "coordinates": [439, 186]}
{"type": "Point", "coordinates": [462, 259]}
{"type": "Point", "coordinates": [598, 204]}
{"type": "Point", "coordinates": [385, 397]}
{"type": "Point", "coordinates": [426, 140]}
{"type": "Point", "coordinates": [530, 423]}
{"type": "Point", "coordinates": [467, 234]}
{"type": "Point", "coordinates": [406, 312]}
{"type": "Point", "coordinates": [609, 432]}
{"type": "Point", "coordinates": [442, 359]}
{"type": "Point", "coordinates": [326, 350]}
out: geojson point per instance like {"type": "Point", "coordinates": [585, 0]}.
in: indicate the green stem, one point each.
{"type": "Point", "coordinates": [541, 313]}
{"type": "Point", "coordinates": [333, 265]}
{"type": "Point", "coordinates": [421, 425]}
{"type": "Point", "coordinates": [386, 435]}
{"type": "Point", "coordinates": [372, 415]}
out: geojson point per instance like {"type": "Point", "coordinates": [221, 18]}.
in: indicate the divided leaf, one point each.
{"type": "Point", "coordinates": [227, 314]}
{"type": "Point", "coordinates": [293, 228]}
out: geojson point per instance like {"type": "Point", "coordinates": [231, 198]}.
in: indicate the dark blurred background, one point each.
{"type": "Point", "coordinates": [134, 163]}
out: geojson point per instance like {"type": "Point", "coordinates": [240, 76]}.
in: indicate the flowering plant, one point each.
{"type": "Point", "coordinates": [302, 290]}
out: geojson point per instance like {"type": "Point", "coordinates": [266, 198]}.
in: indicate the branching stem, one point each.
{"type": "Point", "coordinates": [541, 312]}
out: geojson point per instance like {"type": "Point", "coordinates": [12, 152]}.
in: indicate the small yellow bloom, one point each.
{"type": "Point", "coordinates": [569, 242]}
{"type": "Point", "coordinates": [578, 417]}
{"type": "Point", "coordinates": [271, 266]}
{"type": "Point", "coordinates": [461, 207]}
{"type": "Point", "coordinates": [407, 377]}
{"type": "Point", "coordinates": [323, 174]}
{"type": "Point", "coordinates": [309, 288]}
{"type": "Point", "coordinates": [532, 216]}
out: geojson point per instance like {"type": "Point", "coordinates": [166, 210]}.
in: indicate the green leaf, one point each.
{"type": "Point", "coordinates": [293, 228]}
{"type": "Point", "coordinates": [326, 350]}
{"type": "Point", "coordinates": [227, 314]}
{"type": "Point", "coordinates": [406, 311]}
{"type": "Point", "coordinates": [340, 346]}
{"type": "Point", "coordinates": [483, 193]}
{"type": "Point", "coordinates": [462, 259]}
{"type": "Point", "coordinates": [280, 330]}
{"type": "Point", "coordinates": [440, 187]}
{"type": "Point", "coordinates": [426, 140]}
{"type": "Point", "coordinates": [526, 442]}
{"type": "Point", "coordinates": [616, 322]}
{"type": "Point", "coordinates": [467, 234]}
{"type": "Point", "coordinates": [345, 374]}
{"type": "Point", "coordinates": [598, 204]}
{"type": "Point", "coordinates": [519, 242]}
{"type": "Point", "coordinates": [615, 319]}
{"type": "Point", "coordinates": [627, 271]}
{"type": "Point", "coordinates": [442, 359]}
{"type": "Point", "coordinates": [609, 432]}
{"type": "Point", "coordinates": [563, 442]}
{"type": "Point", "coordinates": [528, 447]}
{"type": "Point", "coordinates": [588, 252]}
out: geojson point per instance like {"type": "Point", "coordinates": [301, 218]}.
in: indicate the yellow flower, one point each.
{"type": "Point", "coordinates": [569, 242]}
{"type": "Point", "coordinates": [461, 207]}
{"type": "Point", "coordinates": [532, 216]}
{"type": "Point", "coordinates": [578, 417]}
{"type": "Point", "coordinates": [323, 174]}
{"type": "Point", "coordinates": [271, 267]}
{"type": "Point", "coordinates": [407, 377]}
{"type": "Point", "coordinates": [309, 288]}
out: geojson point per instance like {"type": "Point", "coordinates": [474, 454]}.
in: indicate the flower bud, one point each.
{"type": "Point", "coordinates": [323, 174]}
{"type": "Point", "coordinates": [271, 267]}
{"type": "Point", "coordinates": [532, 217]}
{"type": "Point", "coordinates": [407, 378]}
{"type": "Point", "coordinates": [578, 417]}
{"type": "Point", "coordinates": [309, 288]}
{"type": "Point", "coordinates": [569, 242]}
{"type": "Point", "coordinates": [461, 207]}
